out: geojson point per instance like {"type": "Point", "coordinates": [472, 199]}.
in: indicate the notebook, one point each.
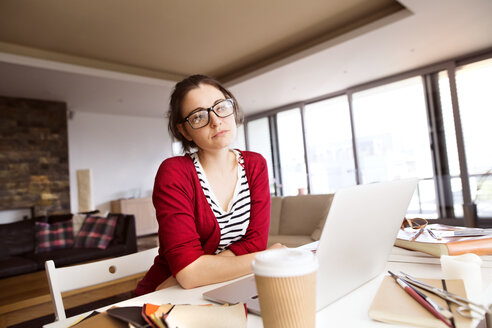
{"type": "Point", "coordinates": [404, 310]}
{"type": "Point", "coordinates": [356, 241]}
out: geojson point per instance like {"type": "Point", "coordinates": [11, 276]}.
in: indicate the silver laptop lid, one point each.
{"type": "Point", "coordinates": [356, 241]}
{"type": "Point", "coordinates": [358, 236]}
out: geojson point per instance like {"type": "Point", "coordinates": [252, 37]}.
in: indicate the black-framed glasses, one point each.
{"type": "Point", "coordinates": [201, 117]}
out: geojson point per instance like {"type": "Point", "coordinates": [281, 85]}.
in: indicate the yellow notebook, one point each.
{"type": "Point", "coordinates": [393, 305]}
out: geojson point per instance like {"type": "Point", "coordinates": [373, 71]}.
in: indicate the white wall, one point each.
{"type": "Point", "coordinates": [123, 153]}
{"type": "Point", "coordinates": [240, 142]}
{"type": "Point", "coordinates": [8, 216]}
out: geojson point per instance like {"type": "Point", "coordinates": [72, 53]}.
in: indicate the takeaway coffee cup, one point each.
{"type": "Point", "coordinates": [286, 283]}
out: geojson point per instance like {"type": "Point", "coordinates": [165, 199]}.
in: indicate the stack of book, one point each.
{"type": "Point", "coordinates": [439, 239]}
{"type": "Point", "coordinates": [399, 254]}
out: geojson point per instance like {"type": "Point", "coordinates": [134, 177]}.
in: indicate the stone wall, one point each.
{"type": "Point", "coordinates": [34, 155]}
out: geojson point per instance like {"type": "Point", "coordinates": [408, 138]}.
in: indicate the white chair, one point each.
{"type": "Point", "coordinates": [90, 274]}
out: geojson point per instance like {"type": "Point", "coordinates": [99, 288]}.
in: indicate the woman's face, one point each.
{"type": "Point", "coordinates": [220, 132]}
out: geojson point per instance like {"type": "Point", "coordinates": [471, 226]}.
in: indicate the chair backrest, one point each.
{"type": "Point", "coordinates": [83, 275]}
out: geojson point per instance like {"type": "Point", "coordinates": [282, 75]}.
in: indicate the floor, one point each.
{"type": "Point", "coordinates": [39, 322]}
{"type": "Point", "coordinates": [143, 243]}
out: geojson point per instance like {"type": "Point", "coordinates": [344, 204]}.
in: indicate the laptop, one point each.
{"type": "Point", "coordinates": [355, 243]}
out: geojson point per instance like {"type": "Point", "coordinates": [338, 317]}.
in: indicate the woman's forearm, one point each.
{"type": "Point", "coordinates": [210, 269]}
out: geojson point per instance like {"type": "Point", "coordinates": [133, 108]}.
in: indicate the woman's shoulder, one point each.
{"type": "Point", "coordinates": [175, 178]}
{"type": "Point", "coordinates": [177, 160]}
{"type": "Point", "coordinates": [252, 157]}
{"type": "Point", "coordinates": [176, 164]}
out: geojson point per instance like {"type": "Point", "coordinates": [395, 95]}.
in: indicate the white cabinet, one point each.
{"type": "Point", "coordinates": [144, 212]}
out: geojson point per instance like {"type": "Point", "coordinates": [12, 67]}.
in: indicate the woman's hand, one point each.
{"type": "Point", "coordinates": [276, 246]}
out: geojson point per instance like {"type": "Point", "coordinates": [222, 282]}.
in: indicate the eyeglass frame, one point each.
{"type": "Point", "coordinates": [414, 224]}
{"type": "Point", "coordinates": [208, 110]}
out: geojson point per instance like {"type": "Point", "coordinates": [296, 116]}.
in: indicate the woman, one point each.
{"type": "Point", "coordinates": [212, 205]}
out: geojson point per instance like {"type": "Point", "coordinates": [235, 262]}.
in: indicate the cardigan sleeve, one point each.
{"type": "Point", "coordinates": [173, 199]}
{"type": "Point", "coordinates": [256, 236]}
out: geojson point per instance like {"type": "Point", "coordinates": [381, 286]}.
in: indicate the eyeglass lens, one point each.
{"type": "Point", "coordinates": [415, 223]}
{"type": "Point", "coordinates": [201, 118]}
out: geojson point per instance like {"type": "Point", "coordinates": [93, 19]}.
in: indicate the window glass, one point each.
{"type": "Point", "coordinates": [451, 146]}
{"type": "Point", "coordinates": [259, 141]}
{"type": "Point", "coordinates": [392, 139]}
{"type": "Point", "coordinates": [291, 152]}
{"type": "Point", "coordinates": [474, 83]}
{"type": "Point", "coordinates": [329, 145]}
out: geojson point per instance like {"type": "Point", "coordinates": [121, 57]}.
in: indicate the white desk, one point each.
{"type": "Point", "coordinates": [349, 311]}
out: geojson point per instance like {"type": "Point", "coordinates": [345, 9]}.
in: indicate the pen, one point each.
{"type": "Point", "coordinates": [418, 234]}
{"type": "Point", "coordinates": [433, 235]}
{"type": "Point", "coordinates": [412, 292]}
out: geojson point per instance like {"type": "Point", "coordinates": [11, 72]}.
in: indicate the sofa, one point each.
{"type": "Point", "coordinates": [17, 247]}
{"type": "Point", "coordinates": [298, 220]}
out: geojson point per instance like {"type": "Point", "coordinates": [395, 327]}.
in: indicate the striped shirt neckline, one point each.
{"type": "Point", "coordinates": [233, 221]}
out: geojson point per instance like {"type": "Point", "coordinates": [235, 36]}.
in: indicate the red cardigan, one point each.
{"type": "Point", "coordinates": [188, 227]}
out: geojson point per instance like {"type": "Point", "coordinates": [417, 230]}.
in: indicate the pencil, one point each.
{"type": "Point", "coordinates": [420, 299]}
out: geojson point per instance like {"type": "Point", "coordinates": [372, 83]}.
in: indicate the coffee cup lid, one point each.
{"type": "Point", "coordinates": [284, 262]}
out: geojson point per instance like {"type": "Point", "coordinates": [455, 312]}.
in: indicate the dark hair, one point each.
{"type": "Point", "coordinates": [180, 91]}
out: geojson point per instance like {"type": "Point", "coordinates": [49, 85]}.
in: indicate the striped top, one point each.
{"type": "Point", "coordinates": [233, 221]}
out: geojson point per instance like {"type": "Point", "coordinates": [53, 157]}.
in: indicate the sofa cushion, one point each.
{"type": "Point", "coordinates": [53, 236]}
{"type": "Point", "coordinates": [18, 237]}
{"type": "Point", "coordinates": [96, 231]}
{"type": "Point", "coordinates": [275, 211]}
{"type": "Point", "coordinates": [316, 235]}
{"type": "Point", "coordinates": [4, 252]}
{"type": "Point", "coordinates": [41, 218]}
{"type": "Point", "coordinates": [119, 236]}
{"type": "Point", "coordinates": [289, 240]}
{"type": "Point", "coordinates": [301, 214]}
{"type": "Point", "coordinates": [55, 218]}
{"type": "Point", "coordinates": [15, 265]}
{"type": "Point", "coordinates": [67, 256]}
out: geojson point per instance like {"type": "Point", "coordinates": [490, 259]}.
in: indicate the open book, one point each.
{"type": "Point", "coordinates": [447, 240]}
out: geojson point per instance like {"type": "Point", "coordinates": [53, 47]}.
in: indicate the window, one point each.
{"type": "Point", "coordinates": [259, 141]}
{"type": "Point", "coordinates": [329, 145]}
{"type": "Point", "coordinates": [291, 152]}
{"type": "Point", "coordinates": [475, 102]}
{"type": "Point", "coordinates": [451, 146]}
{"type": "Point", "coordinates": [392, 131]}
{"type": "Point", "coordinates": [392, 139]}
